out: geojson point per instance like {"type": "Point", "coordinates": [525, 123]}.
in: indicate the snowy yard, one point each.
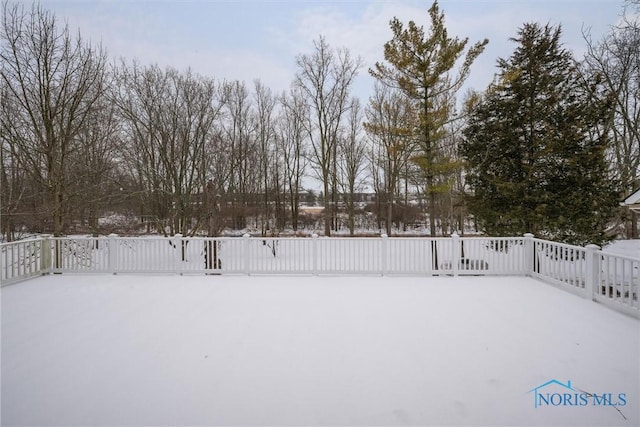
{"type": "Point", "coordinates": [286, 350]}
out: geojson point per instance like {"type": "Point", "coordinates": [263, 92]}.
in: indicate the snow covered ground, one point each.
{"type": "Point", "coordinates": [231, 350]}
{"type": "Point", "coordinates": [630, 248]}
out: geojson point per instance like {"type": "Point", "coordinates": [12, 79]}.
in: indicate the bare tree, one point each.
{"type": "Point", "coordinates": [239, 135]}
{"type": "Point", "coordinates": [94, 187]}
{"type": "Point", "coordinates": [615, 60]}
{"type": "Point", "coordinates": [14, 179]}
{"type": "Point", "coordinates": [324, 78]}
{"type": "Point", "coordinates": [265, 133]}
{"type": "Point", "coordinates": [169, 121]}
{"type": "Point", "coordinates": [352, 151]}
{"type": "Point", "coordinates": [390, 123]}
{"type": "Point", "coordinates": [55, 81]}
{"type": "Point", "coordinates": [218, 172]}
{"type": "Point", "coordinates": [137, 96]}
{"type": "Point", "coordinates": [291, 138]}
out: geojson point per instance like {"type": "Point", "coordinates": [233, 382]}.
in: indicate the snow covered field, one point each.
{"type": "Point", "coordinates": [286, 350]}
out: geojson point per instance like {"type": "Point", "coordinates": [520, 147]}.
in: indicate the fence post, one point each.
{"type": "Point", "coordinates": [113, 253]}
{"type": "Point", "coordinates": [592, 276]}
{"type": "Point", "coordinates": [314, 253]}
{"type": "Point", "coordinates": [177, 260]}
{"type": "Point", "coordinates": [247, 254]}
{"type": "Point", "coordinates": [455, 254]}
{"type": "Point", "coordinates": [384, 252]}
{"type": "Point", "coordinates": [45, 254]}
{"type": "Point", "coordinates": [529, 255]}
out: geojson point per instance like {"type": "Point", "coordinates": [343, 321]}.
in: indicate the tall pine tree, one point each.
{"type": "Point", "coordinates": [535, 162]}
{"type": "Point", "coordinates": [421, 66]}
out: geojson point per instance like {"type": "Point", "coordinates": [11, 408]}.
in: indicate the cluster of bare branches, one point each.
{"type": "Point", "coordinates": [181, 152]}
{"type": "Point", "coordinates": [615, 62]}
{"type": "Point", "coordinates": [52, 84]}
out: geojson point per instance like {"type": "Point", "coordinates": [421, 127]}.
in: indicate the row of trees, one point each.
{"type": "Point", "coordinates": [548, 148]}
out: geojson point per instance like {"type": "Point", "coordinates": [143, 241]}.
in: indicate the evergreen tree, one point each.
{"type": "Point", "coordinates": [420, 65]}
{"type": "Point", "coordinates": [535, 162]}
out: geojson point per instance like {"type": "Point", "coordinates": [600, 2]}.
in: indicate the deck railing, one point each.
{"type": "Point", "coordinates": [617, 281]}
{"type": "Point", "coordinates": [589, 272]}
{"type": "Point", "coordinates": [314, 256]}
{"type": "Point", "coordinates": [561, 264]}
{"type": "Point", "coordinates": [24, 259]}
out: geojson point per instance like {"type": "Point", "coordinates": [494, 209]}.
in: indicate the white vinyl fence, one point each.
{"type": "Point", "coordinates": [315, 256]}
{"type": "Point", "coordinates": [589, 272]}
{"type": "Point", "coordinates": [24, 259]}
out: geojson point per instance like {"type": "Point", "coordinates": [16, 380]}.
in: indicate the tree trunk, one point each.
{"type": "Point", "coordinates": [328, 210]}
{"type": "Point", "coordinates": [389, 213]}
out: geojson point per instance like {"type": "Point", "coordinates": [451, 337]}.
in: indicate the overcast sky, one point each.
{"type": "Point", "coordinates": [246, 40]}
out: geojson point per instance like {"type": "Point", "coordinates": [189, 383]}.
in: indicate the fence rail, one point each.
{"type": "Point", "coordinates": [617, 282]}
{"type": "Point", "coordinates": [607, 278]}
{"type": "Point", "coordinates": [561, 264]}
{"type": "Point", "coordinates": [247, 255]}
{"type": "Point", "coordinates": [23, 259]}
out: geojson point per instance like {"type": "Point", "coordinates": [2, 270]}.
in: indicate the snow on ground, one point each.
{"type": "Point", "coordinates": [629, 248]}
{"type": "Point", "coordinates": [231, 350]}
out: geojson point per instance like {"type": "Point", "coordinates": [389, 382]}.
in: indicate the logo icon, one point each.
{"type": "Point", "coordinates": [557, 393]}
